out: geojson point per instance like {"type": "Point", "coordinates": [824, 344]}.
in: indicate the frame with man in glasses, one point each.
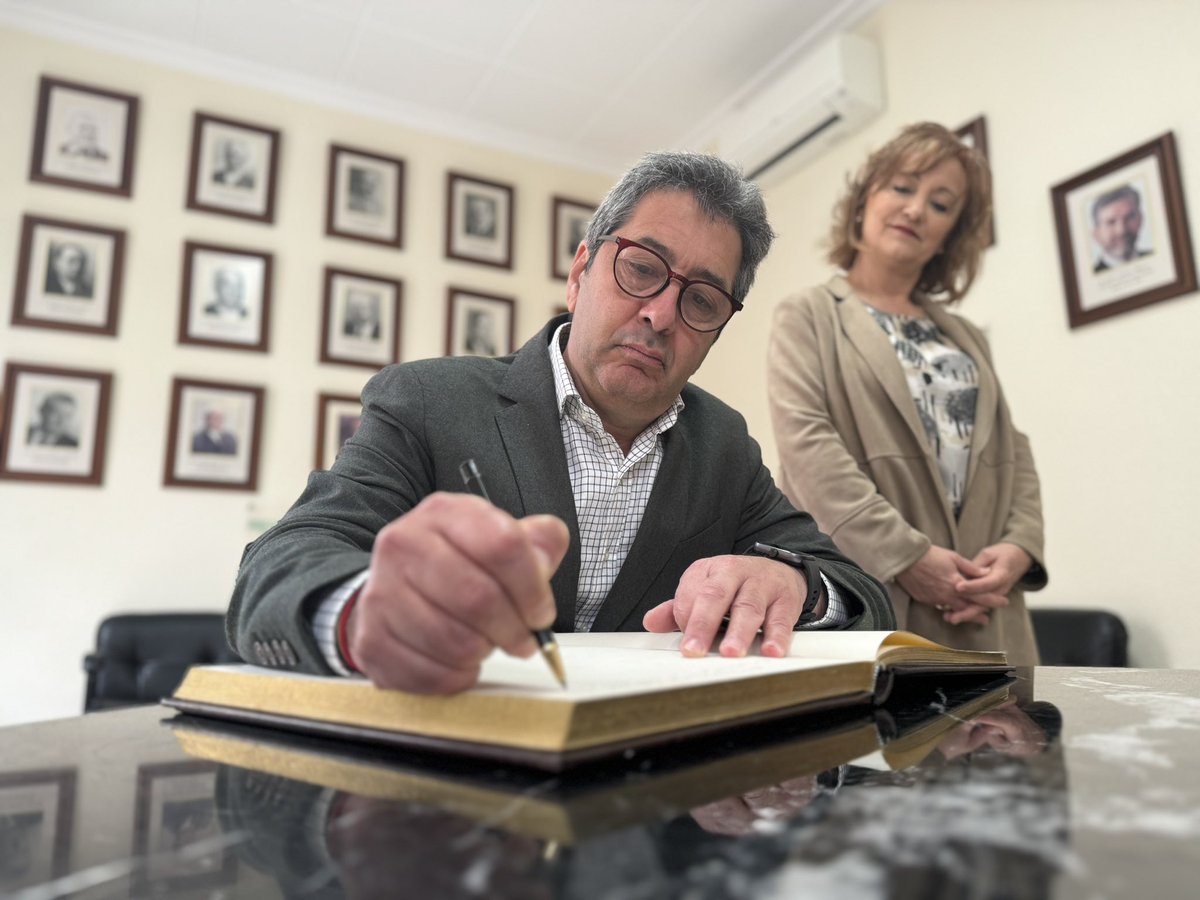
{"type": "Point", "coordinates": [622, 498]}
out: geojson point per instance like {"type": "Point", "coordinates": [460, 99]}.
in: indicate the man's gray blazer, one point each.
{"type": "Point", "coordinates": [712, 496]}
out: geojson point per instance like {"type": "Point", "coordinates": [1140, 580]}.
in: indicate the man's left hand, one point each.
{"type": "Point", "coordinates": [754, 592]}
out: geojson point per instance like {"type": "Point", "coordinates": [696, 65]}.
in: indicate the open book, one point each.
{"type": "Point", "coordinates": [571, 806]}
{"type": "Point", "coordinates": [626, 691]}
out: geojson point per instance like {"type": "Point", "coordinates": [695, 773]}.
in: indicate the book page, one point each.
{"type": "Point", "coordinates": [845, 646]}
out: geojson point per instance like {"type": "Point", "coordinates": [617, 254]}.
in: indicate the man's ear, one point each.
{"type": "Point", "coordinates": [578, 265]}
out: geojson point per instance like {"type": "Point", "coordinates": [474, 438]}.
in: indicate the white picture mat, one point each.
{"type": "Point", "coordinates": [38, 805]}
{"type": "Point", "coordinates": [31, 388]}
{"type": "Point", "coordinates": [1138, 275]}
{"type": "Point", "coordinates": [246, 330]}
{"type": "Point", "coordinates": [109, 117]}
{"type": "Point", "coordinates": [238, 409]}
{"type": "Point", "coordinates": [101, 250]}
{"type": "Point", "coordinates": [243, 199]}
{"type": "Point", "coordinates": [382, 224]}
{"type": "Point", "coordinates": [376, 350]}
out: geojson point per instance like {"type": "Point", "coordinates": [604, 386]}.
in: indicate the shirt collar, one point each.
{"type": "Point", "coordinates": [571, 403]}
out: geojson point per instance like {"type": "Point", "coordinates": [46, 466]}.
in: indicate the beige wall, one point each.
{"type": "Point", "coordinates": [1111, 407]}
{"type": "Point", "coordinates": [71, 555]}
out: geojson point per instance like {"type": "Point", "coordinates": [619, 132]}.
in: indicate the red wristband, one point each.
{"type": "Point", "coordinates": [343, 642]}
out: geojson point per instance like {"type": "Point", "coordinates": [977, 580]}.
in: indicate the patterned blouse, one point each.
{"type": "Point", "coordinates": [944, 383]}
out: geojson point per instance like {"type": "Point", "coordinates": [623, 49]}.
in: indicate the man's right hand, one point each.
{"type": "Point", "coordinates": [448, 581]}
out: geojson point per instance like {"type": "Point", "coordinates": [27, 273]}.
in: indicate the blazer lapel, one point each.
{"type": "Point", "coordinates": [532, 437]}
{"type": "Point", "coordinates": [663, 525]}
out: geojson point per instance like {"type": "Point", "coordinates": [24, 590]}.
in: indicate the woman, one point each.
{"type": "Point", "coordinates": [892, 428]}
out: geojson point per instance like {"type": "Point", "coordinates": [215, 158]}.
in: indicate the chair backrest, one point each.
{"type": "Point", "coordinates": [1080, 637]}
{"type": "Point", "coordinates": [142, 657]}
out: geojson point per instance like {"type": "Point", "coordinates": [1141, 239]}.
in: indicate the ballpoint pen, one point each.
{"type": "Point", "coordinates": [545, 637]}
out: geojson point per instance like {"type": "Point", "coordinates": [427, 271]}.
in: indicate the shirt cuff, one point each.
{"type": "Point", "coordinates": [835, 609]}
{"type": "Point", "coordinates": [325, 622]}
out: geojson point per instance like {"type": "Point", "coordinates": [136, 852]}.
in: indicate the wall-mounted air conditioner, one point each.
{"type": "Point", "coordinates": [801, 111]}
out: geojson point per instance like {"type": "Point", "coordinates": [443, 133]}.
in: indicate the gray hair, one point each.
{"type": "Point", "coordinates": [720, 189]}
{"type": "Point", "coordinates": [1124, 192]}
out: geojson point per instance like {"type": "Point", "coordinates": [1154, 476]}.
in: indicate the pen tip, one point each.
{"type": "Point", "coordinates": [554, 658]}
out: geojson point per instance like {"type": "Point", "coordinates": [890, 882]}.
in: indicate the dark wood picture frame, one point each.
{"type": "Point", "coordinates": [568, 226]}
{"type": "Point", "coordinates": [234, 168]}
{"type": "Point", "coordinates": [235, 310]}
{"type": "Point", "coordinates": [87, 299]}
{"type": "Point", "coordinates": [54, 428]}
{"type": "Point", "coordinates": [31, 801]}
{"type": "Point", "coordinates": [79, 140]}
{"type": "Point", "coordinates": [220, 452]}
{"type": "Point", "coordinates": [361, 319]}
{"type": "Point", "coordinates": [974, 134]}
{"type": "Point", "coordinates": [333, 414]}
{"type": "Point", "coordinates": [365, 196]}
{"type": "Point", "coordinates": [1143, 189]}
{"type": "Point", "coordinates": [479, 220]}
{"type": "Point", "coordinates": [174, 807]}
{"type": "Point", "coordinates": [471, 328]}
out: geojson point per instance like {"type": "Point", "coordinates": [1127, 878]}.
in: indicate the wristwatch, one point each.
{"type": "Point", "coordinates": [812, 575]}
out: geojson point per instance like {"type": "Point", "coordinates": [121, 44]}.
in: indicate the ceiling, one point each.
{"type": "Point", "coordinates": [591, 84]}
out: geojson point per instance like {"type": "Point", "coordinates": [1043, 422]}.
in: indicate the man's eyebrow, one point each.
{"type": "Point", "coordinates": [696, 275]}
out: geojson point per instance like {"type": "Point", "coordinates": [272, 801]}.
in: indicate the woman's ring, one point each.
{"type": "Point", "coordinates": [942, 607]}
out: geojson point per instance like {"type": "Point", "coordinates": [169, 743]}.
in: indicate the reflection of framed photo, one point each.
{"type": "Point", "coordinates": [361, 322]}
{"type": "Point", "coordinates": [570, 221]}
{"type": "Point", "coordinates": [37, 810]}
{"type": "Point", "coordinates": [84, 137]}
{"type": "Point", "coordinates": [55, 421]}
{"type": "Point", "coordinates": [974, 134]}
{"type": "Point", "coordinates": [174, 810]}
{"type": "Point", "coordinates": [214, 434]}
{"type": "Point", "coordinates": [338, 417]}
{"type": "Point", "coordinates": [233, 169]}
{"type": "Point", "coordinates": [226, 297]}
{"type": "Point", "coordinates": [365, 198]}
{"type": "Point", "coordinates": [1123, 238]}
{"type": "Point", "coordinates": [479, 220]}
{"type": "Point", "coordinates": [68, 276]}
{"type": "Point", "coordinates": [478, 324]}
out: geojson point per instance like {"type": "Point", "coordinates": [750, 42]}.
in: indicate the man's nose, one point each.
{"type": "Point", "coordinates": [661, 311]}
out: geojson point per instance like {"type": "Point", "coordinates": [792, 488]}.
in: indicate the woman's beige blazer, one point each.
{"type": "Point", "coordinates": [854, 454]}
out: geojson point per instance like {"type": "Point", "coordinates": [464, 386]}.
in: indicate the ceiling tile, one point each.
{"type": "Point", "coordinates": [287, 36]}
{"type": "Point", "coordinates": [470, 27]}
{"type": "Point", "coordinates": [407, 71]}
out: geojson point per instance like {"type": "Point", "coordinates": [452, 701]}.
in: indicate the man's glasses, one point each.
{"type": "Point", "coordinates": [642, 273]}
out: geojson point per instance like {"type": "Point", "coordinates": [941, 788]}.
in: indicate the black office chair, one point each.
{"type": "Point", "coordinates": [1080, 637]}
{"type": "Point", "coordinates": [142, 657]}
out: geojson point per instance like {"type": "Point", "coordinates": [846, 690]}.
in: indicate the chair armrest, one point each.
{"type": "Point", "coordinates": [92, 663]}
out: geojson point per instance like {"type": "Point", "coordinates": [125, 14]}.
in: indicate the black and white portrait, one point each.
{"type": "Point", "coordinates": [479, 324]}
{"type": "Point", "coordinates": [55, 420]}
{"type": "Point", "coordinates": [214, 434]}
{"type": "Point", "coordinates": [233, 168]}
{"type": "Point", "coordinates": [69, 270]}
{"type": "Point", "coordinates": [569, 221]}
{"type": "Point", "coordinates": [365, 196]}
{"type": "Point", "coordinates": [226, 297]}
{"type": "Point", "coordinates": [69, 276]}
{"type": "Point", "coordinates": [364, 193]}
{"type": "Point", "coordinates": [85, 137]}
{"type": "Point", "coordinates": [233, 163]}
{"type": "Point", "coordinates": [479, 220]}
{"type": "Point", "coordinates": [361, 321]}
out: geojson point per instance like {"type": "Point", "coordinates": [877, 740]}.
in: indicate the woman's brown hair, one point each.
{"type": "Point", "coordinates": [917, 149]}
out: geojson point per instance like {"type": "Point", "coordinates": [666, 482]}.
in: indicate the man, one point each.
{"type": "Point", "coordinates": [68, 271]}
{"type": "Point", "coordinates": [1116, 223]}
{"type": "Point", "coordinates": [625, 499]}
{"type": "Point", "coordinates": [481, 216]}
{"type": "Point", "coordinates": [366, 191]}
{"type": "Point", "coordinates": [213, 438]}
{"type": "Point", "coordinates": [55, 423]}
{"type": "Point", "coordinates": [229, 295]}
{"type": "Point", "coordinates": [235, 164]}
{"type": "Point", "coordinates": [83, 138]}
{"type": "Point", "coordinates": [481, 333]}
{"type": "Point", "coordinates": [362, 314]}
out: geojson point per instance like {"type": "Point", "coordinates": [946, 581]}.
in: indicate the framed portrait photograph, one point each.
{"type": "Point", "coordinates": [37, 811]}
{"type": "Point", "coordinates": [1123, 238]}
{"type": "Point", "coordinates": [365, 198]}
{"type": "Point", "coordinates": [55, 423]}
{"type": "Point", "coordinates": [361, 320]}
{"type": "Point", "coordinates": [479, 220]}
{"type": "Point", "coordinates": [68, 276]}
{"type": "Point", "coordinates": [233, 168]}
{"type": "Point", "coordinates": [479, 324]}
{"type": "Point", "coordinates": [175, 809]}
{"type": "Point", "coordinates": [214, 435]}
{"type": "Point", "coordinates": [338, 418]}
{"type": "Point", "coordinates": [974, 135]}
{"type": "Point", "coordinates": [225, 299]}
{"type": "Point", "coordinates": [569, 222]}
{"type": "Point", "coordinates": [84, 137]}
